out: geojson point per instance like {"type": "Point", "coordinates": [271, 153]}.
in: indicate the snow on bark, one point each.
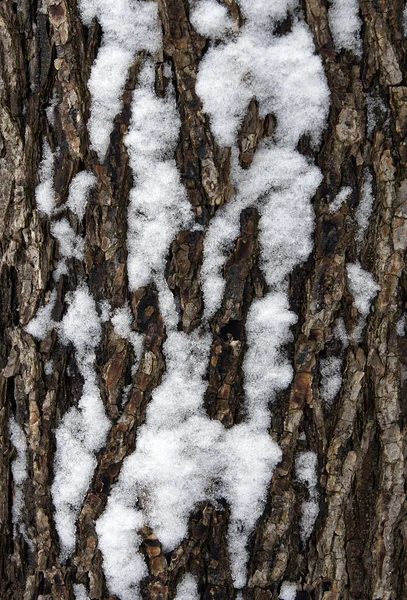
{"type": "Point", "coordinates": [288, 590]}
{"type": "Point", "coordinates": [44, 192]}
{"type": "Point", "coordinates": [339, 199]}
{"type": "Point", "coordinates": [187, 589]}
{"type": "Point", "coordinates": [365, 207]}
{"type": "Point", "coordinates": [180, 455]}
{"type": "Point", "coordinates": [79, 190]}
{"type": "Point", "coordinates": [210, 18]}
{"type": "Point", "coordinates": [40, 326]}
{"type": "Point", "coordinates": [19, 471]}
{"type": "Point", "coordinates": [306, 470]}
{"type": "Point", "coordinates": [283, 74]}
{"type": "Point", "coordinates": [83, 429]}
{"type": "Point", "coordinates": [128, 27]}
{"type": "Point", "coordinates": [280, 183]}
{"type": "Point", "coordinates": [362, 286]}
{"type": "Point", "coordinates": [158, 206]}
{"type": "Point", "coordinates": [331, 378]}
{"type": "Point", "coordinates": [345, 24]}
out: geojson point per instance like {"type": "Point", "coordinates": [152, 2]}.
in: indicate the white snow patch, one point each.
{"type": "Point", "coordinates": [48, 367]}
{"type": "Point", "coordinates": [306, 471]}
{"type": "Point", "coordinates": [345, 24]}
{"type": "Point", "coordinates": [79, 190]}
{"type": "Point", "coordinates": [83, 430]}
{"type": "Point", "coordinates": [282, 73]}
{"type": "Point", "coordinates": [280, 183]}
{"type": "Point", "coordinates": [70, 244]}
{"type": "Point", "coordinates": [40, 326]}
{"type": "Point", "coordinates": [183, 457]}
{"type": "Point", "coordinates": [44, 192]}
{"type": "Point", "coordinates": [339, 199]}
{"type": "Point", "coordinates": [105, 311]}
{"type": "Point", "coordinates": [340, 332]}
{"type": "Point", "coordinates": [331, 377]}
{"type": "Point", "coordinates": [18, 470]}
{"type": "Point", "coordinates": [265, 367]}
{"type": "Point", "coordinates": [362, 287]}
{"type": "Point", "coordinates": [128, 27]}
{"type": "Point", "coordinates": [401, 326]}
{"type": "Point", "coordinates": [122, 320]}
{"type": "Point", "coordinates": [211, 19]}
{"type": "Point", "coordinates": [158, 206]}
{"type": "Point", "coordinates": [288, 590]}
{"type": "Point", "coordinates": [80, 592]}
{"type": "Point", "coordinates": [262, 14]}
{"type": "Point", "coordinates": [187, 588]}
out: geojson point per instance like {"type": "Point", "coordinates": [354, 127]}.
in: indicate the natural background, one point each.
{"type": "Point", "coordinates": [358, 546]}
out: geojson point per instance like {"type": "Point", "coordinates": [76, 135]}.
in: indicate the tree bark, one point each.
{"type": "Point", "coordinates": [357, 549]}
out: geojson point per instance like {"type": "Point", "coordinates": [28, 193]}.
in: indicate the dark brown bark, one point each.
{"type": "Point", "coordinates": [357, 550]}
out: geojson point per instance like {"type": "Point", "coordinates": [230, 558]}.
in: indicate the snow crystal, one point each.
{"type": "Point", "coordinates": [40, 326]}
{"type": "Point", "coordinates": [288, 590]}
{"type": "Point", "coordinates": [339, 199]}
{"type": "Point", "coordinates": [44, 192]}
{"type": "Point", "coordinates": [83, 430]}
{"type": "Point", "coordinates": [158, 203]}
{"type": "Point", "coordinates": [362, 286]}
{"type": "Point", "coordinates": [79, 190]}
{"type": "Point", "coordinates": [282, 73]}
{"type": "Point", "coordinates": [187, 589]}
{"type": "Point", "coordinates": [211, 19]}
{"type": "Point", "coordinates": [18, 468]}
{"type": "Point", "coordinates": [306, 471]}
{"type": "Point", "coordinates": [345, 24]}
{"type": "Point", "coordinates": [331, 377]}
{"type": "Point", "coordinates": [365, 207]}
{"type": "Point", "coordinates": [70, 244]}
{"type": "Point", "coordinates": [128, 26]}
{"type": "Point", "coordinates": [180, 454]}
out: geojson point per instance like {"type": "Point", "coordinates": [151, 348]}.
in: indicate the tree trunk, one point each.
{"type": "Point", "coordinates": [345, 405]}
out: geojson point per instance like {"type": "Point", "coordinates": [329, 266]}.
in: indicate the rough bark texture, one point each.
{"type": "Point", "coordinates": [358, 546]}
